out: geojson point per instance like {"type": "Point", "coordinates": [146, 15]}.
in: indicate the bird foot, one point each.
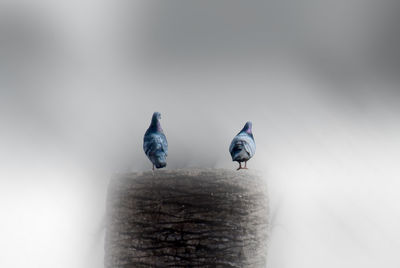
{"type": "Point", "coordinates": [241, 168]}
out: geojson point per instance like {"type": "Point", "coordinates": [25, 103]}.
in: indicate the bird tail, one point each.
{"type": "Point", "coordinates": [160, 160]}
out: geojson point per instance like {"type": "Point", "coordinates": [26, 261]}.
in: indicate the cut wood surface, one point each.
{"type": "Point", "coordinates": [187, 218]}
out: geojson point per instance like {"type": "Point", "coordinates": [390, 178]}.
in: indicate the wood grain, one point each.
{"type": "Point", "coordinates": [187, 218]}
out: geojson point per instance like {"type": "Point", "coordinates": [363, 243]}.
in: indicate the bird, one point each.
{"type": "Point", "coordinates": [155, 143]}
{"type": "Point", "coordinates": [243, 146]}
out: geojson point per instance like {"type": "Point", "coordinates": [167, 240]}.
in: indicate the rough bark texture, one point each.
{"type": "Point", "coordinates": [187, 218]}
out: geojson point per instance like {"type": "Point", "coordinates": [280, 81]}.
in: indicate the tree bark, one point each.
{"type": "Point", "coordinates": [187, 218]}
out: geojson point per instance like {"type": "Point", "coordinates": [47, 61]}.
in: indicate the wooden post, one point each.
{"type": "Point", "coordinates": [187, 218]}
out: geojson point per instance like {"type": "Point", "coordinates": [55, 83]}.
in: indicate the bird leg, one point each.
{"type": "Point", "coordinates": [240, 166]}
{"type": "Point", "coordinates": [245, 164]}
{"type": "Point", "coordinates": [153, 167]}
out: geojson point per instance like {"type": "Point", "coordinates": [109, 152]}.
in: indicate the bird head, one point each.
{"type": "Point", "coordinates": [247, 127]}
{"type": "Point", "coordinates": [155, 122]}
{"type": "Point", "coordinates": [156, 117]}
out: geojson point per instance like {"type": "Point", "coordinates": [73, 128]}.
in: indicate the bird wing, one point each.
{"type": "Point", "coordinates": [245, 140]}
{"type": "Point", "coordinates": [164, 143]}
{"type": "Point", "coordinates": [155, 142]}
{"type": "Point", "coordinates": [249, 146]}
{"type": "Point", "coordinates": [234, 142]}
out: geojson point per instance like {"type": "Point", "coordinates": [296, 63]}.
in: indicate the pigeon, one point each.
{"type": "Point", "coordinates": [243, 147]}
{"type": "Point", "coordinates": [155, 143]}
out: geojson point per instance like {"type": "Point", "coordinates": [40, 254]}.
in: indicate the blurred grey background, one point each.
{"type": "Point", "coordinates": [79, 81]}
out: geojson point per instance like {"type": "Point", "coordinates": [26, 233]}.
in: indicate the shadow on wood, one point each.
{"type": "Point", "coordinates": [187, 218]}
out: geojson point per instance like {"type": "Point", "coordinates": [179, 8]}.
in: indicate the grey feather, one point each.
{"type": "Point", "coordinates": [243, 146]}
{"type": "Point", "coordinates": [155, 143]}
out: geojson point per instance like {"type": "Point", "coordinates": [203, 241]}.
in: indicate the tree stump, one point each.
{"type": "Point", "coordinates": [187, 218]}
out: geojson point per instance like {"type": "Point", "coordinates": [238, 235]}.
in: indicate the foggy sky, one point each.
{"type": "Point", "coordinates": [79, 81]}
